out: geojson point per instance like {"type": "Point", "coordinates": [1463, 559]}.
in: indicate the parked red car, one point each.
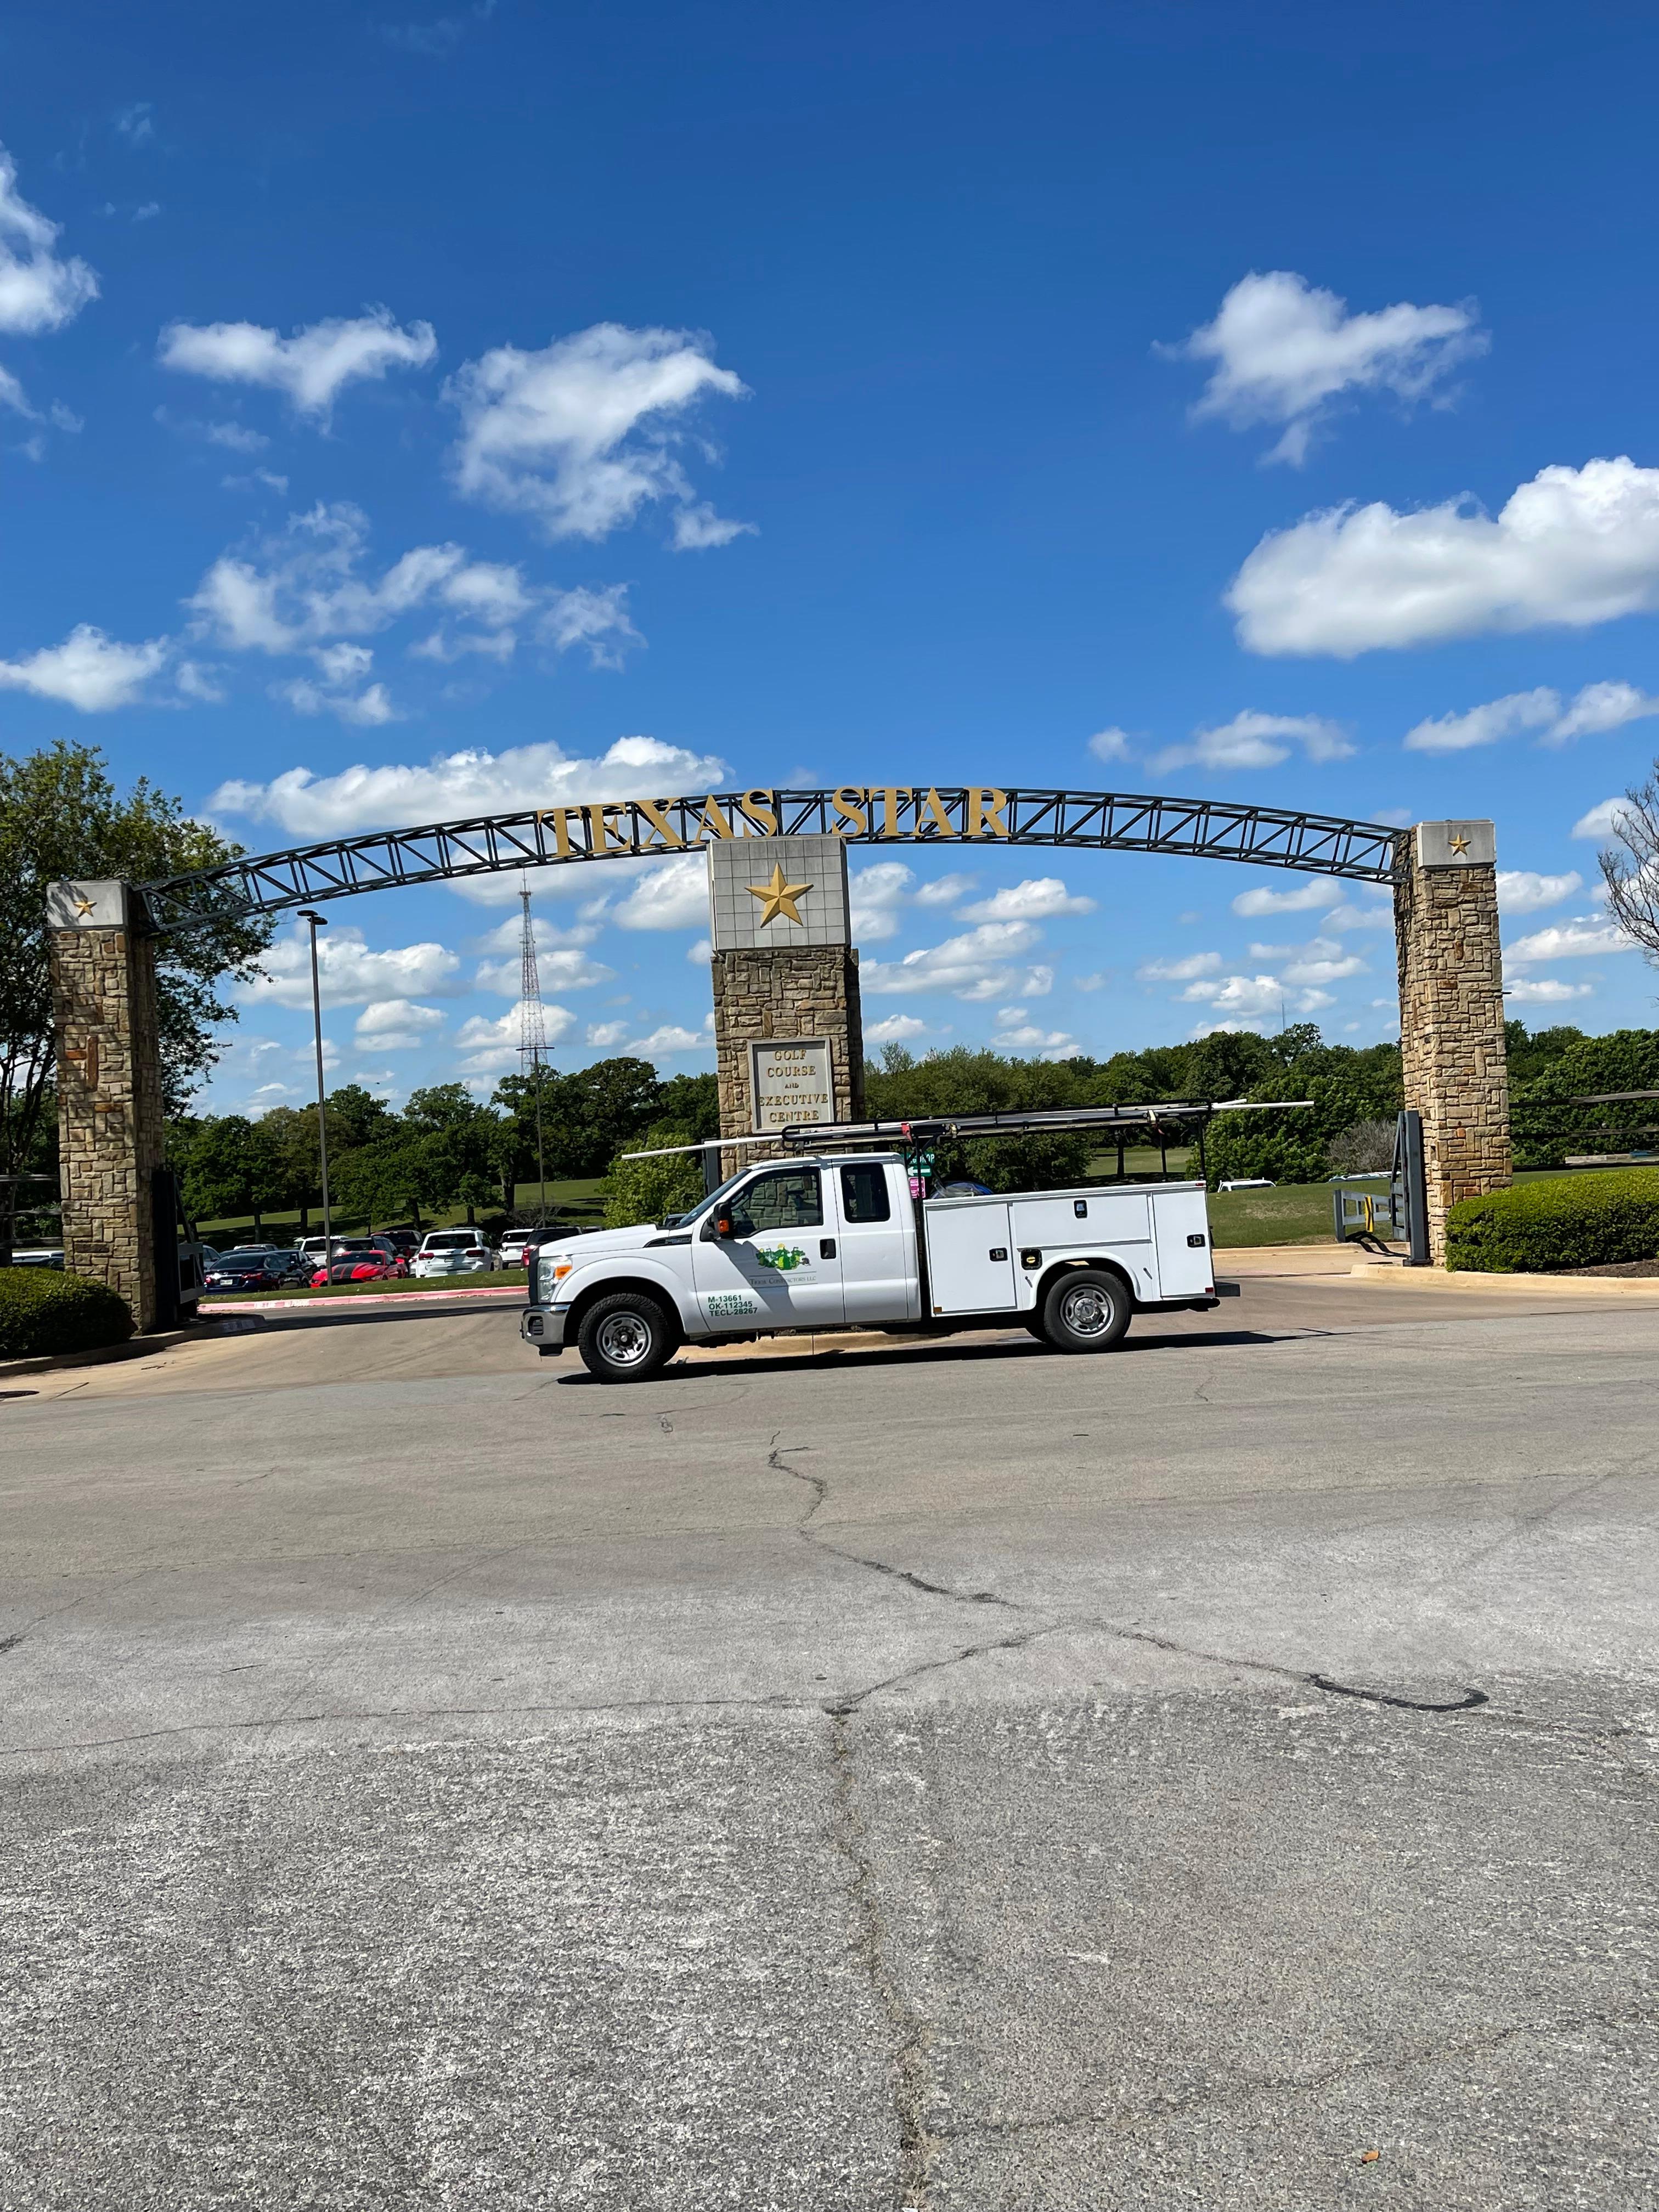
{"type": "Point", "coordinates": [361, 1260]}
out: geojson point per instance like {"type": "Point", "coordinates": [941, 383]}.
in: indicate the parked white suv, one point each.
{"type": "Point", "coordinates": [453, 1252]}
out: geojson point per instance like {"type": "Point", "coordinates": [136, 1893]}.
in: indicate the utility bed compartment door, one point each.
{"type": "Point", "coordinates": [1055, 1222]}
{"type": "Point", "coordinates": [970, 1266]}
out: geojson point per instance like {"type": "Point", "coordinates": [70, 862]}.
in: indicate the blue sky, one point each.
{"type": "Point", "coordinates": [412, 411]}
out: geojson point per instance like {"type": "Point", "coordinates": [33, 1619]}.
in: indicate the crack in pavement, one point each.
{"type": "Point", "coordinates": [1246, 2091]}
{"type": "Point", "coordinates": [288, 1719]}
{"type": "Point", "coordinates": [910, 2029]}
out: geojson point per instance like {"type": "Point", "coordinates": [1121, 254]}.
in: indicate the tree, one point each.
{"type": "Point", "coordinates": [600, 1110]}
{"type": "Point", "coordinates": [61, 816]}
{"type": "Point", "coordinates": [355, 1116]}
{"type": "Point", "coordinates": [648, 1190]}
{"type": "Point", "coordinates": [691, 1102]}
{"type": "Point", "coordinates": [461, 1132]}
{"type": "Point", "coordinates": [233, 1166]}
{"type": "Point", "coordinates": [1630, 866]}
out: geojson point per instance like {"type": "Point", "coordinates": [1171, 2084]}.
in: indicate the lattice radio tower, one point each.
{"type": "Point", "coordinates": [532, 1038]}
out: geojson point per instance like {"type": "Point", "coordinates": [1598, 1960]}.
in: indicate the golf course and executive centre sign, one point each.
{"type": "Point", "coordinates": [790, 1082]}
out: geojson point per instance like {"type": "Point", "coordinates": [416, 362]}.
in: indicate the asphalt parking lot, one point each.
{"type": "Point", "coordinates": [945, 1777]}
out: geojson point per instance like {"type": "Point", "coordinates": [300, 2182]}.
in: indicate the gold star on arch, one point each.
{"type": "Point", "coordinates": [1459, 844]}
{"type": "Point", "coordinates": [777, 898]}
{"type": "Point", "coordinates": [83, 905]}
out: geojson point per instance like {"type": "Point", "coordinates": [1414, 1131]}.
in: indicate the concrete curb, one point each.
{"type": "Point", "coordinates": [352, 1302]}
{"type": "Point", "coordinates": [135, 1347]}
{"type": "Point", "coordinates": [1437, 1279]}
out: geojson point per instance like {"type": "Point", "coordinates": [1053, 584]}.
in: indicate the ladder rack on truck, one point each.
{"type": "Point", "coordinates": [839, 1232]}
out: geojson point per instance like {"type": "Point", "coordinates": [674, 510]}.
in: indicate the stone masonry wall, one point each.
{"type": "Point", "coordinates": [110, 1123]}
{"type": "Point", "coordinates": [799, 990]}
{"type": "Point", "coordinates": [1451, 1029]}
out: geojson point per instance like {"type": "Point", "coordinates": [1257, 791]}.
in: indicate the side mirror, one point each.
{"type": "Point", "coordinates": [723, 1226]}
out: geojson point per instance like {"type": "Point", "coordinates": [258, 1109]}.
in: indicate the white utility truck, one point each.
{"type": "Point", "coordinates": [836, 1239]}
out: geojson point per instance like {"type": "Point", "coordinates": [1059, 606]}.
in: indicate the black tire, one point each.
{"type": "Point", "coordinates": [1085, 1310]}
{"type": "Point", "coordinates": [626, 1338]}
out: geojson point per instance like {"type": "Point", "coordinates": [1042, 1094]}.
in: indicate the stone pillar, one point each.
{"type": "Point", "coordinates": [784, 975]}
{"type": "Point", "coordinates": [1451, 1011]}
{"type": "Point", "coordinates": [111, 1128]}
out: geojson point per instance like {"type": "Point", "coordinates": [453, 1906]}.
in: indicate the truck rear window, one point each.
{"type": "Point", "coordinates": [864, 1195]}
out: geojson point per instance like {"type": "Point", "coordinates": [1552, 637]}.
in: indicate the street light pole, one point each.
{"type": "Point", "coordinates": [316, 922]}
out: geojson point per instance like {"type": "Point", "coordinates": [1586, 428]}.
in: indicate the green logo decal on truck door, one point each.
{"type": "Point", "coordinates": [785, 1258]}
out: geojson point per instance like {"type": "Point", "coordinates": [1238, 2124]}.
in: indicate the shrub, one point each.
{"type": "Point", "coordinates": [1592, 1220]}
{"type": "Point", "coordinates": [42, 1311]}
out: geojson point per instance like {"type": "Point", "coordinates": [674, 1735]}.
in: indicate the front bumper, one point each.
{"type": "Point", "coordinates": [543, 1327]}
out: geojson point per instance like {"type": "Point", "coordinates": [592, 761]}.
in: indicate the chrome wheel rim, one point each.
{"type": "Point", "coordinates": [1087, 1311]}
{"type": "Point", "coordinates": [624, 1339]}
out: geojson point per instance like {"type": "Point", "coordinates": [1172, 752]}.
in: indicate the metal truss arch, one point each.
{"type": "Point", "coordinates": [953, 819]}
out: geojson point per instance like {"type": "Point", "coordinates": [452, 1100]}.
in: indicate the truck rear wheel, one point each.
{"type": "Point", "coordinates": [626, 1338]}
{"type": "Point", "coordinates": [1086, 1310]}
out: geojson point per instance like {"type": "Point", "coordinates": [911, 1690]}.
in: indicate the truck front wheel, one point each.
{"type": "Point", "coordinates": [1086, 1310]}
{"type": "Point", "coordinates": [626, 1338]}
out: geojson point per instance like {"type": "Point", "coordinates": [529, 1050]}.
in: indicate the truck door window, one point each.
{"type": "Point", "coordinates": [864, 1195]}
{"type": "Point", "coordinates": [789, 1199]}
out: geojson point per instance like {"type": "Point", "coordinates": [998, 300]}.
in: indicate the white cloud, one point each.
{"type": "Point", "coordinates": [700, 953]}
{"type": "Point", "coordinates": [1112, 744]}
{"type": "Point", "coordinates": [1285, 350]}
{"type": "Point", "coordinates": [1602, 821]}
{"type": "Point", "coordinates": [1546, 991]}
{"type": "Point", "coordinates": [1248, 998]}
{"type": "Point", "coordinates": [895, 1029]}
{"type": "Point", "coordinates": [1345, 915]}
{"type": "Point", "coordinates": [38, 292]}
{"type": "Point", "coordinates": [1321, 960]}
{"type": "Point", "coordinates": [1037, 983]}
{"type": "Point", "coordinates": [581, 434]}
{"type": "Point", "coordinates": [1038, 898]}
{"type": "Point", "coordinates": [88, 671]}
{"type": "Point", "coordinates": [607, 1035]}
{"type": "Point", "coordinates": [1522, 891]}
{"type": "Point", "coordinates": [312, 368]}
{"type": "Point", "coordinates": [875, 896]}
{"type": "Point", "coordinates": [672, 1038]}
{"type": "Point", "coordinates": [1047, 1044]}
{"type": "Point", "coordinates": [946, 890]}
{"type": "Point", "coordinates": [305, 584]}
{"type": "Point", "coordinates": [366, 709]}
{"type": "Point", "coordinates": [670, 894]}
{"type": "Point", "coordinates": [974, 966]}
{"type": "Point", "coordinates": [1599, 708]}
{"type": "Point", "coordinates": [394, 1024]}
{"type": "Point", "coordinates": [557, 968]}
{"type": "Point", "coordinates": [454, 785]}
{"type": "Point", "coordinates": [597, 619]}
{"type": "Point", "coordinates": [1097, 982]}
{"type": "Point", "coordinates": [696, 528]}
{"type": "Point", "coordinates": [1586, 936]}
{"type": "Point", "coordinates": [492, 1047]}
{"type": "Point", "coordinates": [1573, 547]}
{"type": "Point", "coordinates": [1307, 897]}
{"type": "Point", "coordinates": [348, 973]}
{"type": "Point", "coordinates": [1253, 740]}
{"type": "Point", "coordinates": [1185, 970]}
{"type": "Point", "coordinates": [1595, 710]}
{"type": "Point", "coordinates": [1485, 726]}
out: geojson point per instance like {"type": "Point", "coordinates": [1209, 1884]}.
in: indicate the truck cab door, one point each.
{"type": "Point", "coordinates": [781, 1267]}
{"type": "Point", "coordinates": [877, 1243]}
